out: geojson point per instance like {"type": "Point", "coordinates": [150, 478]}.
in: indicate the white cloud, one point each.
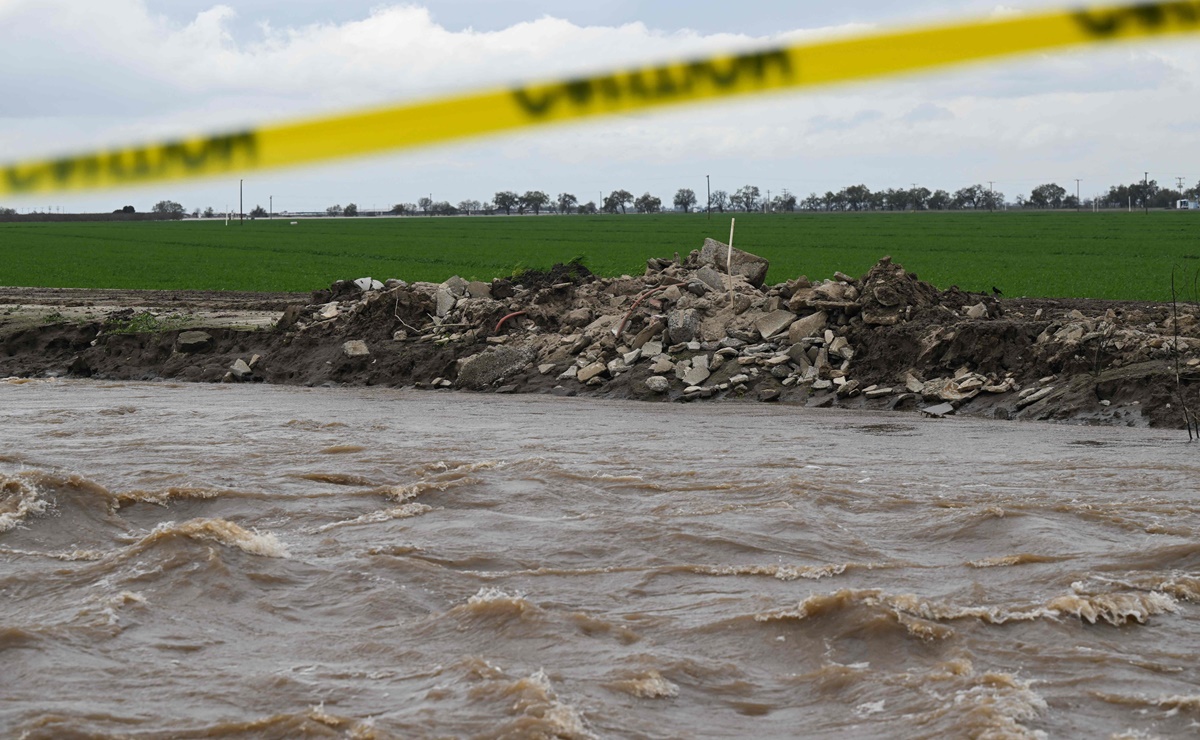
{"type": "Point", "coordinates": [94, 73]}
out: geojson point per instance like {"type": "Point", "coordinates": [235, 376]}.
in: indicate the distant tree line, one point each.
{"type": "Point", "coordinates": [749, 198]}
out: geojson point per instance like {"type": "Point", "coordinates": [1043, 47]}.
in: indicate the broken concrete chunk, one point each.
{"type": "Point", "coordinates": [662, 365]}
{"type": "Point", "coordinates": [978, 311]}
{"type": "Point", "coordinates": [477, 289]}
{"type": "Point", "coordinates": [683, 325]}
{"type": "Point", "coordinates": [774, 322]}
{"type": "Point", "coordinates": [457, 286]}
{"type": "Point", "coordinates": [240, 370]}
{"type": "Point", "coordinates": [696, 375]}
{"type": "Point", "coordinates": [751, 266]}
{"type": "Point", "coordinates": [710, 277]}
{"type": "Point", "coordinates": [594, 370]}
{"type": "Point", "coordinates": [481, 370]}
{"type": "Point", "coordinates": [578, 317]}
{"type": "Point", "coordinates": [193, 341]}
{"type": "Point", "coordinates": [446, 301]}
{"type": "Point", "coordinates": [939, 411]}
{"type": "Point", "coordinates": [809, 326]}
{"type": "Point", "coordinates": [355, 348]}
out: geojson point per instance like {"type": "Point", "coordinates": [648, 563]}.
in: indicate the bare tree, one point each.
{"type": "Point", "coordinates": [685, 198]}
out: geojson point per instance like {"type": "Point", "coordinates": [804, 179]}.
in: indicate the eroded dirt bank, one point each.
{"type": "Point", "coordinates": [684, 331]}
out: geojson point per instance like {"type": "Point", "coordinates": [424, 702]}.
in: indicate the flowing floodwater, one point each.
{"type": "Point", "coordinates": [233, 561]}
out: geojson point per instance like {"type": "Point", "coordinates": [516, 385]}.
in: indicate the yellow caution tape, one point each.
{"type": "Point", "coordinates": [458, 117]}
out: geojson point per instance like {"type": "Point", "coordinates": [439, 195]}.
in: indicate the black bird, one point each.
{"type": "Point", "coordinates": [996, 291]}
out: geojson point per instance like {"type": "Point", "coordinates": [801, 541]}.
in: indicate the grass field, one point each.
{"type": "Point", "coordinates": [1108, 255]}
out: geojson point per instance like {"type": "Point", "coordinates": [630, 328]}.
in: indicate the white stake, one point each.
{"type": "Point", "coordinates": [729, 259]}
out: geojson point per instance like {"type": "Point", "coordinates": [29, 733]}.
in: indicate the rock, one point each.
{"type": "Point", "coordinates": [848, 389]}
{"type": "Point", "coordinates": [616, 367]}
{"type": "Point", "coordinates": [652, 330]}
{"type": "Point", "coordinates": [942, 409]}
{"type": "Point", "coordinates": [578, 317]}
{"type": "Point", "coordinates": [457, 286]}
{"type": "Point", "coordinates": [912, 384]}
{"type": "Point", "coordinates": [355, 348]}
{"type": "Point", "coordinates": [291, 315]}
{"type": "Point", "coordinates": [774, 322]}
{"type": "Point", "coordinates": [697, 287]}
{"type": "Point", "coordinates": [631, 358]}
{"type": "Point", "coordinates": [809, 326]}
{"type": "Point", "coordinates": [878, 392]}
{"type": "Point", "coordinates": [978, 311]}
{"type": "Point", "coordinates": [240, 370]}
{"type": "Point", "coordinates": [739, 379]}
{"type": "Point", "coordinates": [830, 292]}
{"type": "Point", "coordinates": [751, 266]}
{"type": "Point", "coordinates": [546, 369]}
{"type": "Point", "coordinates": [658, 384]}
{"type": "Point", "coordinates": [399, 335]}
{"type": "Point", "coordinates": [328, 311]}
{"type": "Point", "coordinates": [193, 341]}
{"type": "Point", "coordinates": [477, 289]}
{"type": "Point", "coordinates": [662, 365]}
{"type": "Point", "coordinates": [571, 373]}
{"type": "Point", "coordinates": [696, 375]}
{"type": "Point", "coordinates": [393, 283]}
{"type": "Point", "coordinates": [767, 395]}
{"type": "Point", "coordinates": [594, 370]}
{"type": "Point", "coordinates": [507, 389]}
{"type": "Point", "coordinates": [652, 349]}
{"type": "Point", "coordinates": [710, 277]}
{"type": "Point", "coordinates": [683, 325]}
{"type": "Point", "coordinates": [1034, 397]}
{"type": "Point", "coordinates": [481, 370]}
{"type": "Point", "coordinates": [446, 301]}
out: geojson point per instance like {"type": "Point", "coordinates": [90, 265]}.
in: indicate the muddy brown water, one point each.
{"type": "Point", "coordinates": [232, 561]}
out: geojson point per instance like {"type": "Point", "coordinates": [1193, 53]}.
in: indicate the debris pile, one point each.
{"type": "Point", "coordinates": [708, 326]}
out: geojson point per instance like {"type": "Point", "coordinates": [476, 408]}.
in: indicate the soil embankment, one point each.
{"type": "Point", "coordinates": [687, 330]}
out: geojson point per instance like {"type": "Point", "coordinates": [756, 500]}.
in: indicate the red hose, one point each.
{"type": "Point", "coordinates": [637, 301]}
{"type": "Point", "coordinates": [500, 323]}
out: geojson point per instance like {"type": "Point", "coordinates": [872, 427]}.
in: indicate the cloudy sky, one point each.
{"type": "Point", "coordinates": [84, 73]}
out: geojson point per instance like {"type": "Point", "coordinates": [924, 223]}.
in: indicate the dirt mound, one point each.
{"type": "Point", "coordinates": [684, 330]}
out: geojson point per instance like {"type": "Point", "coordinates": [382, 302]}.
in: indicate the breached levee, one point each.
{"type": "Point", "coordinates": [698, 328]}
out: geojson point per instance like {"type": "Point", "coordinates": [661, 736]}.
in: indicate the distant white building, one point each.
{"type": "Point", "coordinates": [1187, 205]}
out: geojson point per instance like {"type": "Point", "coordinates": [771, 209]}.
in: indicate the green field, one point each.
{"type": "Point", "coordinates": [1107, 255]}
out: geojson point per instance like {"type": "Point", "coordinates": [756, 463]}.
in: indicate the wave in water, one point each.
{"type": "Point", "coordinates": [535, 709]}
{"type": "Point", "coordinates": [19, 499]}
{"type": "Point", "coordinates": [919, 615]}
{"type": "Point", "coordinates": [254, 542]}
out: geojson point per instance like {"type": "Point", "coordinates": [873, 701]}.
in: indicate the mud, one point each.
{"type": "Point", "coordinates": [682, 331]}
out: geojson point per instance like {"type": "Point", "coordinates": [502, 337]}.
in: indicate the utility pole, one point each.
{"type": "Point", "coordinates": [991, 195]}
{"type": "Point", "coordinates": [1179, 183]}
{"type": "Point", "coordinates": [241, 208]}
{"type": "Point", "coordinates": [271, 206]}
{"type": "Point", "coordinates": [1077, 194]}
{"type": "Point", "coordinates": [708, 208]}
{"type": "Point", "coordinates": [1146, 192]}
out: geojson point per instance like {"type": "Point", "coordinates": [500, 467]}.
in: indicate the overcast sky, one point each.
{"type": "Point", "coordinates": [83, 73]}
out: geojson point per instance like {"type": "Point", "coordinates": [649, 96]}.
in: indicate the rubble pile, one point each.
{"type": "Point", "coordinates": [704, 326]}
{"type": "Point", "coordinates": [692, 328]}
